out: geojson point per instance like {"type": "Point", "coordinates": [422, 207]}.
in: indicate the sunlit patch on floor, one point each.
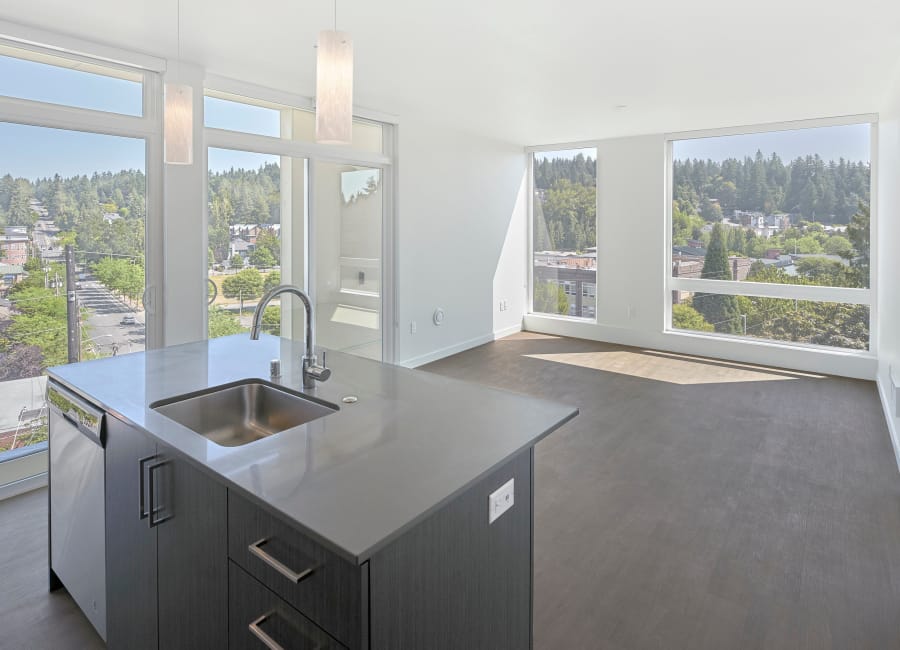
{"type": "Point", "coordinates": [671, 367]}
{"type": "Point", "coordinates": [356, 316]}
{"type": "Point", "coordinates": [528, 336]}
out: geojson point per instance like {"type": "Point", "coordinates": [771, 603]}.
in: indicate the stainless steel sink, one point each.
{"type": "Point", "coordinates": [241, 412]}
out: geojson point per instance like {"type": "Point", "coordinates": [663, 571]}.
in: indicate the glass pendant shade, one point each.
{"type": "Point", "coordinates": [179, 124]}
{"type": "Point", "coordinates": [334, 88]}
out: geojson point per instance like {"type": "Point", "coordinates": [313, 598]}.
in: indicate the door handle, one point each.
{"type": "Point", "coordinates": [143, 493]}
{"type": "Point", "coordinates": [154, 508]}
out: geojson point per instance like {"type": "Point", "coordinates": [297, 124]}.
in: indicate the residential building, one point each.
{"type": "Point", "coordinates": [14, 244]}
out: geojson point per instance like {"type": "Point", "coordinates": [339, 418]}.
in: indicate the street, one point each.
{"type": "Point", "coordinates": [45, 238]}
{"type": "Point", "coordinates": [105, 333]}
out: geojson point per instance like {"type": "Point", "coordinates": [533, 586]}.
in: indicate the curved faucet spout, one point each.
{"type": "Point", "coordinates": [312, 372]}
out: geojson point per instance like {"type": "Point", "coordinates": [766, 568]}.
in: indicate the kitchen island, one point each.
{"type": "Point", "coordinates": [369, 527]}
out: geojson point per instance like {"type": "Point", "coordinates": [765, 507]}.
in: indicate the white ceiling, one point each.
{"type": "Point", "coordinates": [533, 72]}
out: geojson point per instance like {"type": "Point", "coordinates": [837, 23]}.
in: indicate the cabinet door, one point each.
{"type": "Point", "coordinates": [130, 543]}
{"type": "Point", "coordinates": [193, 557]}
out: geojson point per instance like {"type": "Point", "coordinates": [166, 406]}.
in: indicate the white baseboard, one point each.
{"type": "Point", "coordinates": [507, 331]}
{"type": "Point", "coordinates": [20, 487]}
{"type": "Point", "coordinates": [450, 350]}
{"type": "Point", "coordinates": [883, 393]}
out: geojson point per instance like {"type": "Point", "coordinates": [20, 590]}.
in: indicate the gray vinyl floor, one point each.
{"type": "Point", "coordinates": [692, 504]}
{"type": "Point", "coordinates": [704, 504]}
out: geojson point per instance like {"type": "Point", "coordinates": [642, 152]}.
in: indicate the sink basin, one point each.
{"type": "Point", "coordinates": [241, 412]}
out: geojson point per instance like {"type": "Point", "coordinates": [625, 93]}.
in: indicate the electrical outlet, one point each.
{"type": "Point", "coordinates": [505, 304]}
{"type": "Point", "coordinates": [501, 500]}
{"type": "Point", "coordinates": [501, 305]}
{"type": "Point", "coordinates": [412, 327]}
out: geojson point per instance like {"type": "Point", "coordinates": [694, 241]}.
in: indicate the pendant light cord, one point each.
{"type": "Point", "coordinates": [335, 14]}
{"type": "Point", "coordinates": [178, 37]}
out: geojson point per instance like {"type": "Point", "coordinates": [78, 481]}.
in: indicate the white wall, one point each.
{"type": "Point", "coordinates": [889, 256]}
{"type": "Point", "coordinates": [461, 239]}
{"type": "Point", "coordinates": [631, 236]}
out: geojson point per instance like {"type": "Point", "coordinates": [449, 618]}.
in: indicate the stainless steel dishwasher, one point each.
{"type": "Point", "coordinates": [77, 502]}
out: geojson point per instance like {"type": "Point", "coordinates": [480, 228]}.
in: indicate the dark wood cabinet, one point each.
{"type": "Point", "coordinates": [192, 557]}
{"type": "Point", "coordinates": [456, 581]}
{"type": "Point", "coordinates": [322, 586]}
{"type": "Point", "coordinates": [192, 564]}
{"type": "Point", "coordinates": [167, 563]}
{"type": "Point", "coordinates": [258, 616]}
{"type": "Point", "coordinates": [131, 545]}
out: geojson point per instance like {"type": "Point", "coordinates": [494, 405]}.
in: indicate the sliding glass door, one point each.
{"type": "Point", "coordinates": [347, 257]}
{"type": "Point", "coordinates": [284, 210]}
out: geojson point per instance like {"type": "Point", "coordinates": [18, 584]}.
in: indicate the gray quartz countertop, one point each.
{"type": "Point", "coordinates": [354, 479]}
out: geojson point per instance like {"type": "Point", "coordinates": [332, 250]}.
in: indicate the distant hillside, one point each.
{"type": "Point", "coordinates": [818, 191]}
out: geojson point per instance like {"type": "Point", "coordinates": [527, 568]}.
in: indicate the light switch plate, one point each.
{"type": "Point", "coordinates": [501, 500]}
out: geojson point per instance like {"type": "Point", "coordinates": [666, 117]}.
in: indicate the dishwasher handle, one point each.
{"type": "Point", "coordinates": [86, 417]}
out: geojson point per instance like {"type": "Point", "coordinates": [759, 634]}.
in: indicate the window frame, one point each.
{"type": "Point", "coordinates": [15, 474]}
{"type": "Point", "coordinates": [529, 261]}
{"type": "Point", "coordinates": [845, 295]}
{"type": "Point", "coordinates": [313, 152]}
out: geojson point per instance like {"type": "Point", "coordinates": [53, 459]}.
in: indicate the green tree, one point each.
{"type": "Point", "coordinates": [550, 298]}
{"type": "Point", "coordinates": [271, 320]}
{"type": "Point", "coordinates": [859, 234]}
{"type": "Point", "coordinates": [272, 280]}
{"type": "Point", "coordinates": [268, 240]}
{"type": "Point", "coordinates": [222, 322]}
{"type": "Point", "coordinates": [710, 210]}
{"type": "Point", "coordinates": [720, 310]}
{"type": "Point", "coordinates": [262, 258]}
{"type": "Point", "coordinates": [808, 245]}
{"type": "Point", "coordinates": [685, 317]}
{"type": "Point", "coordinates": [237, 261]}
{"type": "Point", "coordinates": [838, 245]}
{"type": "Point", "coordinates": [246, 284]}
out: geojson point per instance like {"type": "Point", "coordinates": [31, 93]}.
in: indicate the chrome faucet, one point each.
{"type": "Point", "coordinates": [312, 371]}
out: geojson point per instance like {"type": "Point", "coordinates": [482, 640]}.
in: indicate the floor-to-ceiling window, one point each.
{"type": "Point", "coordinates": [771, 234]}
{"type": "Point", "coordinates": [284, 210]}
{"type": "Point", "coordinates": [564, 232]}
{"type": "Point", "coordinates": [75, 140]}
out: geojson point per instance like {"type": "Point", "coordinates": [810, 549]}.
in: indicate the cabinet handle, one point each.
{"type": "Point", "coordinates": [153, 509]}
{"type": "Point", "coordinates": [293, 576]}
{"type": "Point", "coordinates": [262, 636]}
{"type": "Point", "coordinates": [141, 462]}
{"type": "Point", "coordinates": [268, 641]}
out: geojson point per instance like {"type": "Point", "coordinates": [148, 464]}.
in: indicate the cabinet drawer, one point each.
{"type": "Point", "coordinates": [260, 619]}
{"type": "Point", "coordinates": [322, 586]}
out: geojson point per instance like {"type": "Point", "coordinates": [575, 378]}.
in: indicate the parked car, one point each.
{"type": "Point", "coordinates": [127, 320]}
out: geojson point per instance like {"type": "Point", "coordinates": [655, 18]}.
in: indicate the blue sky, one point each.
{"type": "Point", "coordinates": [831, 143]}
{"type": "Point", "coordinates": [32, 152]}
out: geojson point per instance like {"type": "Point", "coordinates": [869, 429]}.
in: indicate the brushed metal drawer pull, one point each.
{"type": "Point", "coordinates": [268, 641]}
{"type": "Point", "coordinates": [293, 576]}
{"type": "Point", "coordinates": [257, 631]}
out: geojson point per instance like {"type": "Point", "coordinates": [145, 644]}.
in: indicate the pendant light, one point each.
{"type": "Point", "coordinates": [178, 124]}
{"type": "Point", "coordinates": [334, 86]}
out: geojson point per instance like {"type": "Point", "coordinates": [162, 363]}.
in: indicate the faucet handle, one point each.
{"type": "Point", "coordinates": [323, 359]}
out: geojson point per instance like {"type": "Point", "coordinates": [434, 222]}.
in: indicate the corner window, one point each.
{"type": "Point", "coordinates": [564, 232]}
{"type": "Point", "coordinates": [771, 236]}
